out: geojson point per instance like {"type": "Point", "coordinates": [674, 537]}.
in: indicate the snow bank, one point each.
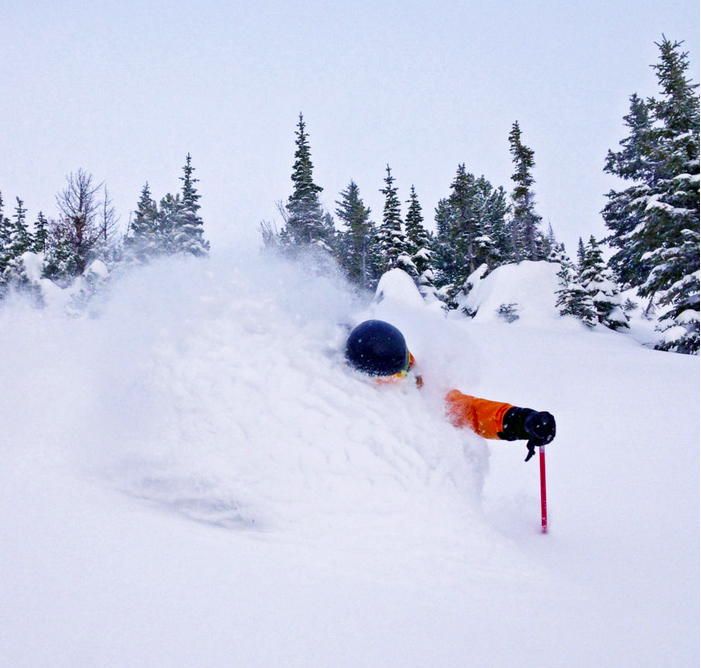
{"type": "Point", "coordinates": [529, 286]}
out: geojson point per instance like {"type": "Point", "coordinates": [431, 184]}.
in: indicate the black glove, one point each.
{"type": "Point", "coordinates": [524, 423]}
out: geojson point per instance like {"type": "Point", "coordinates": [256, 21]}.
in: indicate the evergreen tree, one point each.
{"type": "Point", "coordinates": [655, 222]}
{"type": "Point", "coordinates": [625, 209]}
{"type": "Point", "coordinates": [500, 248]}
{"type": "Point", "coordinates": [603, 292]}
{"type": "Point", "coordinates": [169, 227]}
{"type": "Point", "coordinates": [447, 255]}
{"type": "Point", "coordinates": [14, 272]}
{"type": "Point", "coordinates": [143, 240]}
{"type": "Point", "coordinates": [59, 257]}
{"type": "Point", "coordinates": [527, 238]}
{"type": "Point", "coordinates": [572, 298]}
{"type": "Point", "coordinates": [471, 231]}
{"type": "Point", "coordinates": [6, 228]}
{"type": "Point", "coordinates": [170, 212]}
{"type": "Point", "coordinates": [391, 239]}
{"type": "Point", "coordinates": [466, 223]}
{"type": "Point", "coordinates": [188, 232]}
{"type": "Point", "coordinates": [22, 240]}
{"type": "Point", "coordinates": [305, 224]}
{"type": "Point", "coordinates": [41, 233]}
{"type": "Point", "coordinates": [419, 244]}
{"type": "Point", "coordinates": [356, 252]}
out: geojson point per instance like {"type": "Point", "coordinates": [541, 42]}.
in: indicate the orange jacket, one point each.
{"type": "Point", "coordinates": [482, 416]}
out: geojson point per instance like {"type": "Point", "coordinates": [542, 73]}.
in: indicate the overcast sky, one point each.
{"type": "Point", "coordinates": [125, 89]}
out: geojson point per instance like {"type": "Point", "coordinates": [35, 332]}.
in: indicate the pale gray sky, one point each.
{"type": "Point", "coordinates": [125, 89]}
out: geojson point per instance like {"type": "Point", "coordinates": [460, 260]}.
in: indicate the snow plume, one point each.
{"type": "Point", "coordinates": [217, 389]}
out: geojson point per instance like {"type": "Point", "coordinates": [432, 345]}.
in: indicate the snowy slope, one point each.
{"type": "Point", "coordinates": [192, 477]}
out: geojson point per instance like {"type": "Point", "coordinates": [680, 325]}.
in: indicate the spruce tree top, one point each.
{"type": "Point", "coordinates": [190, 194]}
{"type": "Point", "coordinates": [305, 190]}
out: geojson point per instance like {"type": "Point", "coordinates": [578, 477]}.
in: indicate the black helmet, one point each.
{"type": "Point", "coordinates": [377, 348]}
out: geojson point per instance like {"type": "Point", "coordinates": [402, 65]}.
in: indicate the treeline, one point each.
{"type": "Point", "coordinates": [652, 248]}
{"type": "Point", "coordinates": [84, 238]}
{"type": "Point", "coordinates": [476, 224]}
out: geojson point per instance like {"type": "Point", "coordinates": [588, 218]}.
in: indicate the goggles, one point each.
{"type": "Point", "coordinates": [410, 361]}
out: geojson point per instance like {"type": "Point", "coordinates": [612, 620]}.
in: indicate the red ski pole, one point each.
{"type": "Point", "coordinates": [543, 497]}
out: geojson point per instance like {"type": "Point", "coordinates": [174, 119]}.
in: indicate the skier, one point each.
{"type": "Point", "coordinates": [379, 349]}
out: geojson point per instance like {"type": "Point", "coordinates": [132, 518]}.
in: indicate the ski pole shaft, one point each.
{"type": "Point", "coordinates": [543, 496]}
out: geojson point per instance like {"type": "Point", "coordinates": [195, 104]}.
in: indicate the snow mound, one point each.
{"type": "Point", "coordinates": [397, 286]}
{"type": "Point", "coordinates": [528, 287]}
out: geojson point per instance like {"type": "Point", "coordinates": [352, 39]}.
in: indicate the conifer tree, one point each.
{"type": "Point", "coordinates": [500, 249]}
{"type": "Point", "coordinates": [188, 230]}
{"type": "Point", "coordinates": [447, 258]}
{"type": "Point", "coordinates": [391, 239]}
{"type": "Point", "coordinates": [305, 224]}
{"type": "Point", "coordinates": [572, 298]}
{"type": "Point", "coordinates": [655, 221]}
{"type": "Point", "coordinates": [471, 231]}
{"type": "Point", "coordinates": [419, 244]}
{"type": "Point", "coordinates": [603, 292]}
{"type": "Point", "coordinates": [625, 209]}
{"type": "Point", "coordinates": [143, 240]}
{"type": "Point", "coordinates": [527, 238]}
{"type": "Point", "coordinates": [356, 252]}
{"type": "Point", "coordinates": [59, 256]}
{"type": "Point", "coordinates": [466, 224]}
{"type": "Point", "coordinates": [5, 238]}
{"type": "Point", "coordinates": [170, 211]}
{"type": "Point", "coordinates": [41, 233]}
{"type": "Point", "coordinates": [22, 240]}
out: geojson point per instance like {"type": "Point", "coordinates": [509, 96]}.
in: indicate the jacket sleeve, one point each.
{"type": "Point", "coordinates": [482, 416]}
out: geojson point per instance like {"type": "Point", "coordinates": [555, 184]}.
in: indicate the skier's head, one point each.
{"type": "Point", "coordinates": [378, 349]}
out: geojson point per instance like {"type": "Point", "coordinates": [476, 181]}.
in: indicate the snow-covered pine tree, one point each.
{"type": "Point", "coordinates": [41, 233]}
{"type": "Point", "coordinates": [419, 245]}
{"type": "Point", "coordinates": [655, 222]}
{"type": "Point", "coordinates": [391, 240]}
{"type": "Point", "coordinates": [59, 256]}
{"type": "Point", "coordinates": [466, 223]}
{"type": "Point", "coordinates": [500, 248]}
{"type": "Point", "coordinates": [527, 237]}
{"type": "Point", "coordinates": [5, 238]}
{"type": "Point", "coordinates": [572, 298]}
{"type": "Point", "coordinates": [471, 231]}
{"type": "Point", "coordinates": [625, 209]}
{"type": "Point", "coordinates": [21, 241]}
{"type": "Point", "coordinates": [188, 231]}
{"type": "Point", "coordinates": [143, 240]}
{"type": "Point", "coordinates": [674, 209]}
{"type": "Point", "coordinates": [305, 224]}
{"type": "Point", "coordinates": [355, 248]}
{"type": "Point", "coordinates": [170, 211]}
{"type": "Point", "coordinates": [489, 208]}
{"type": "Point", "coordinates": [447, 259]}
{"type": "Point", "coordinates": [597, 281]}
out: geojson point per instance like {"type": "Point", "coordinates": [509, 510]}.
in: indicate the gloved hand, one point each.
{"type": "Point", "coordinates": [525, 423]}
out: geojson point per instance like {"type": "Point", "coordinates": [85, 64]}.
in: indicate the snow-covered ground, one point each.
{"type": "Point", "coordinates": [191, 476]}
